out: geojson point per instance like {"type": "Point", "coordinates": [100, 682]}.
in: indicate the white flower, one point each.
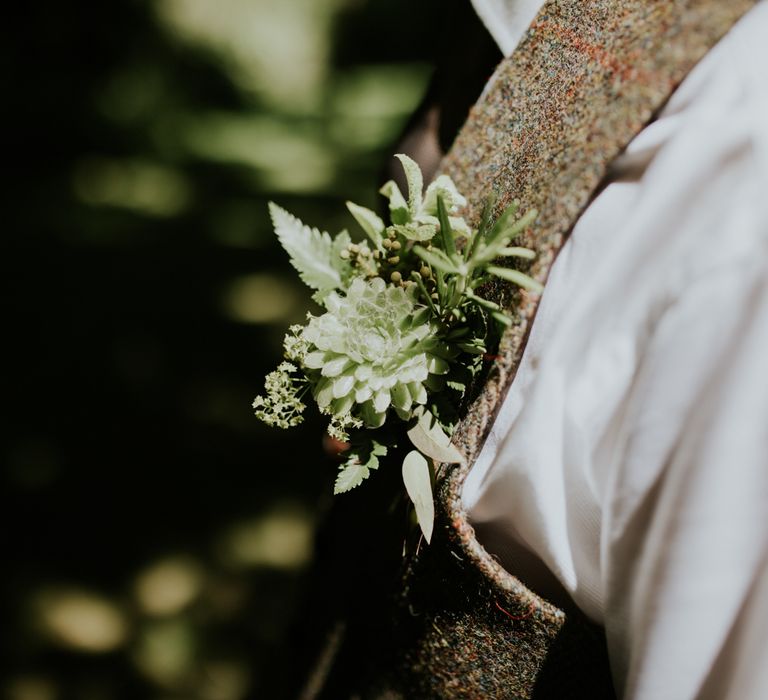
{"type": "Point", "coordinates": [374, 348]}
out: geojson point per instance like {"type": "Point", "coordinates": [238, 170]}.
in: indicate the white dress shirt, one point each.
{"type": "Point", "coordinates": [631, 453]}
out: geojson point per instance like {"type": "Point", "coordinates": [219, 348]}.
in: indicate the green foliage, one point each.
{"type": "Point", "coordinates": [312, 253]}
{"type": "Point", "coordinates": [405, 328]}
{"type": "Point", "coordinates": [418, 483]}
{"type": "Point", "coordinates": [428, 437]}
{"type": "Point", "coordinates": [358, 465]}
{"type": "Point", "coordinates": [415, 184]}
{"type": "Point", "coordinates": [369, 221]}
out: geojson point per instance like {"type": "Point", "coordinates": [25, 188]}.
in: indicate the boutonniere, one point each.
{"type": "Point", "coordinates": [404, 331]}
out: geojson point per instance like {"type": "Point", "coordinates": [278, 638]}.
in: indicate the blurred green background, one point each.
{"type": "Point", "coordinates": [156, 537]}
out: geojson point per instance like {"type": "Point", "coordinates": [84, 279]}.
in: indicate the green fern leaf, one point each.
{"type": "Point", "coordinates": [312, 253]}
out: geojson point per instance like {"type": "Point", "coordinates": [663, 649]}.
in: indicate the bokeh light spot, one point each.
{"type": "Point", "coordinates": [81, 620]}
{"type": "Point", "coordinates": [261, 40]}
{"type": "Point", "coordinates": [165, 652]}
{"type": "Point", "coordinates": [224, 680]}
{"type": "Point", "coordinates": [148, 188]}
{"type": "Point", "coordinates": [280, 539]}
{"type": "Point", "coordinates": [285, 157]}
{"type": "Point", "coordinates": [261, 298]}
{"type": "Point", "coordinates": [168, 586]}
{"type": "Point", "coordinates": [30, 688]}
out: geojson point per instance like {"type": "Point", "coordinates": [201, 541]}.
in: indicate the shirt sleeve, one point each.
{"type": "Point", "coordinates": [686, 541]}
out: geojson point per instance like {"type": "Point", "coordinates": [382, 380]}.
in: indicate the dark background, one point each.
{"type": "Point", "coordinates": [156, 537]}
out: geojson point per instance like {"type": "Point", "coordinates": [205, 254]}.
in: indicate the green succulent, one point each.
{"type": "Point", "coordinates": [374, 349]}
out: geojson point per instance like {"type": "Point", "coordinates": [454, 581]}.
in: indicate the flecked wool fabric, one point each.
{"type": "Point", "coordinates": [587, 77]}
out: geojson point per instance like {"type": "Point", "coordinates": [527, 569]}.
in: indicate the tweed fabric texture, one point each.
{"type": "Point", "coordinates": [584, 81]}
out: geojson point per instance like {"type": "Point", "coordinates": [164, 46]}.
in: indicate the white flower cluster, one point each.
{"type": "Point", "coordinates": [282, 406]}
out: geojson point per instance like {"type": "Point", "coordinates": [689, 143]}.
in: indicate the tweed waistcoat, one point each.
{"type": "Point", "coordinates": [585, 79]}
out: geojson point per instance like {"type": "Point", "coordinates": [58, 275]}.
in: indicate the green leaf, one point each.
{"type": "Point", "coordinates": [517, 277]}
{"type": "Point", "coordinates": [522, 223]}
{"type": "Point", "coordinates": [517, 252]}
{"type": "Point", "coordinates": [503, 222]}
{"type": "Point", "coordinates": [398, 207]}
{"type": "Point", "coordinates": [340, 242]}
{"type": "Point", "coordinates": [446, 232]}
{"type": "Point", "coordinates": [350, 476]}
{"type": "Point", "coordinates": [369, 222]}
{"type": "Point", "coordinates": [506, 228]}
{"type": "Point", "coordinates": [418, 484]}
{"type": "Point", "coordinates": [424, 293]}
{"type": "Point", "coordinates": [415, 182]}
{"type": "Point", "coordinates": [502, 318]}
{"type": "Point", "coordinates": [417, 232]}
{"type": "Point", "coordinates": [442, 186]}
{"type": "Point", "coordinates": [437, 259]}
{"type": "Point", "coordinates": [475, 347]}
{"type": "Point", "coordinates": [357, 468]}
{"type": "Point", "coordinates": [428, 437]}
{"type": "Point", "coordinates": [485, 303]}
{"type": "Point", "coordinates": [482, 231]}
{"type": "Point", "coordinates": [312, 253]}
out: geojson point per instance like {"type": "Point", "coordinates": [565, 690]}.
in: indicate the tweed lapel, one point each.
{"type": "Point", "coordinates": [587, 77]}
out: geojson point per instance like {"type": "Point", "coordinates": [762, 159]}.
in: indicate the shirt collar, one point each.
{"type": "Point", "coordinates": [507, 20]}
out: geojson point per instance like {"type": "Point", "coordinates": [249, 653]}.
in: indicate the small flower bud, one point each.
{"type": "Point", "coordinates": [387, 243]}
{"type": "Point", "coordinates": [393, 260]}
{"type": "Point", "coordinates": [396, 245]}
{"type": "Point", "coordinates": [425, 272]}
{"type": "Point", "coordinates": [396, 277]}
{"type": "Point", "coordinates": [354, 248]}
{"type": "Point", "coordinates": [344, 255]}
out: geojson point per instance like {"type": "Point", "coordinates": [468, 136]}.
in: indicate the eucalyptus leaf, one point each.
{"type": "Point", "coordinates": [428, 437]}
{"type": "Point", "coordinates": [418, 484]}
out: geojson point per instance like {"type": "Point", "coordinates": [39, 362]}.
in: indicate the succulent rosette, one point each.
{"type": "Point", "coordinates": [405, 325]}
{"type": "Point", "coordinates": [375, 347]}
